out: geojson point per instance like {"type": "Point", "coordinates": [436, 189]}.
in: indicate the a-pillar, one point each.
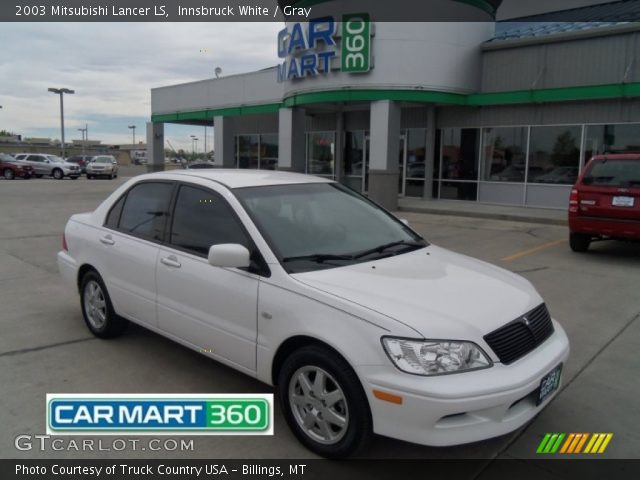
{"type": "Point", "coordinates": [224, 142]}
{"type": "Point", "coordinates": [291, 140]}
{"type": "Point", "coordinates": [383, 153]}
{"type": "Point", "coordinates": [155, 147]}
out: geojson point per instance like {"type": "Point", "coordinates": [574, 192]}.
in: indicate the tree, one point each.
{"type": "Point", "coordinates": [565, 151]}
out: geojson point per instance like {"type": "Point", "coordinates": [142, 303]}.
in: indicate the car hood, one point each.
{"type": "Point", "coordinates": [438, 293]}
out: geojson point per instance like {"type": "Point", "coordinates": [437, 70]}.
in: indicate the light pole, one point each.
{"type": "Point", "coordinates": [133, 127]}
{"type": "Point", "coordinates": [61, 92]}
{"type": "Point", "coordinates": [83, 130]}
{"type": "Point", "coordinates": [193, 144]}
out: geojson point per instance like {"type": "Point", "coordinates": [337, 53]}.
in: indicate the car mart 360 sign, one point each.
{"type": "Point", "coordinates": [312, 48]}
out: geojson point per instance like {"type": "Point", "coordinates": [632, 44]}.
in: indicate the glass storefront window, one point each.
{"type": "Point", "coordinates": [504, 154]}
{"type": "Point", "coordinates": [611, 139]}
{"type": "Point", "coordinates": [248, 151]}
{"type": "Point", "coordinates": [321, 147]}
{"type": "Point", "coordinates": [353, 166]}
{"type": "Point", "coordinates": [554, 154]}
{"type": "Point", "coordinates": [257, 151]}
{"type": "Point", "coordinates": [269, 151]}
{"type": "Point", "coordinates": [416, 162]}
{"type": "Point", "coordinates": [460, 153]}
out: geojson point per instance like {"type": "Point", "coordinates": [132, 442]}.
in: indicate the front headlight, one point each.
{"type": "Point", "coordinates": [435, 357]}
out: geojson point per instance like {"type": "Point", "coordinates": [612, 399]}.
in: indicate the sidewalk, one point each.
{"type": "Point", "coordinates": [484, 210]}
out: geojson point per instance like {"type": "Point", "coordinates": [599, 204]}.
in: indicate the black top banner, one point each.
{"type": "Point", "coordinates": [302, 10]}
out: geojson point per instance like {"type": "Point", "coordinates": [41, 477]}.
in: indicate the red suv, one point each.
{"type": "Point", "coordinates": [605, 201]}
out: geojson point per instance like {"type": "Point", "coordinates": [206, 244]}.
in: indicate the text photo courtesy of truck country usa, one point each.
{"type": "Point", "coordinates": [346, 239]}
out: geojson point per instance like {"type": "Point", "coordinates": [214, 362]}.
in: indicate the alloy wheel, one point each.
{"type": "Point", "coordinates": [319, 405]}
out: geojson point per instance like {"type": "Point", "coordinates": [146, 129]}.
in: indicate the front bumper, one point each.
{"type": "Point", "coordinates": [465, 407]}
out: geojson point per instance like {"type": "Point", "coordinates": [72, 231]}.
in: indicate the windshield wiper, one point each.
{"type": "Point", "coordinates": [382, 248]}
{"type": "Point", "coordinates": [318, 257]}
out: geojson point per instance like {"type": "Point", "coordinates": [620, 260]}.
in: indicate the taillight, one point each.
{"type": "Point", "coordinates": [64, 243]}
{"type": "Point", "coordinates": [573, 201]}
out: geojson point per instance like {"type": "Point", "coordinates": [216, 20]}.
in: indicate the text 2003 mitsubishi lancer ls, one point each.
{"type": "Point", "coordinates": [360, 324]}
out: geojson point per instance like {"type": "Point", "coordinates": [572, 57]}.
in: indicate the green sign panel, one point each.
{"type": "Point", "coordinates": [356, 43]}
{"type": "Point", "coordinates": [238, 414]}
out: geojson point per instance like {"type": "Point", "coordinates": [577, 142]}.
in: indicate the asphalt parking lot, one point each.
{"type": "Point", "coordinates": [45, 346]}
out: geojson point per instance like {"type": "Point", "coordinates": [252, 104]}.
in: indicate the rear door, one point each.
{"type": "Point", "coordinates": [128, 247]}
{"type": "Point", "coordinates": [610, 189]}
{"type": "Point", "coordinates": [38, 164]}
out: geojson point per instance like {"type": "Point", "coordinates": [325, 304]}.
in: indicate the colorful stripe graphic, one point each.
{"type": "Point", "coordinates": [573, 443]}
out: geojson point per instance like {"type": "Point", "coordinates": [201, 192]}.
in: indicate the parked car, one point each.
{"type": "Point", "coordinates": [51, 165]}
{"type": "Point", "coordinates": [605, 201]}
{"type": "Point", "coordinates": [103, 166]}
{"type": "Point", "coordinates": [198, 164]}
{"type": "Point", "coordinates": [11, 168]}
{"type": "Point", "coordinates": [559, 175]}
{"type": "Point", "coordinates": [81, 161]}
{"type": "Point", "coordinates": [361, 324]}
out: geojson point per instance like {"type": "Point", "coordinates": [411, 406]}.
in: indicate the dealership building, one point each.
{"type": "Point", "coordinates": [478, 111]}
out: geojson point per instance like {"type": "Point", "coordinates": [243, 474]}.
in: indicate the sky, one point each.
{"type": "Point", "coordinates": [112, 68]}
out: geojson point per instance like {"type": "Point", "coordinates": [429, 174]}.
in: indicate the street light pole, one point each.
{"type": "Point", "coordinates": [61, 92]}
{"type": "Point", "coordinates": [133, 127]}
{"type": "Point", "coordinates": [82, 131]}
{"type": "Point", "coordinates": [193, 144]}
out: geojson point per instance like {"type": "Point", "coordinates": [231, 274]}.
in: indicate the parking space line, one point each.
{"type": "Point", "coordinates": [530, 251]}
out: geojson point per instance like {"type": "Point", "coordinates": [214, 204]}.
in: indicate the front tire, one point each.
{"type": "Point", "coordinates": [579, 242]}
{"type": "Point", "coordinates": [57, 174]}
{"type": "Point", "coordinates": [97, 309]}
{"type": "Point", "coordinates": [324, 403]}
{"type": "Point", "coordinates": [8, 174]}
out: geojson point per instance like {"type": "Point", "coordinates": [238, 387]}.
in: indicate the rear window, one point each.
{"type": "Point", "coordinates": [613, 173]}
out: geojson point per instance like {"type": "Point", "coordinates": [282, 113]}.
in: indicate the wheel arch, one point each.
{"type": "Point", "coordinates": [82, 271]}
{"type": "Point", "coordinates": [292, 344]}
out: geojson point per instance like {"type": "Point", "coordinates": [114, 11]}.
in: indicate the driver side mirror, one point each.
{"type": "Point", "coordinates": [231, 255]}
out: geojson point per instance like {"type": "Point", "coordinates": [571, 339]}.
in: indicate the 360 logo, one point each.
{"type": "Point", "coordinates": [574, 443]}
{"type": "Point", "coordinates": [213, 414]}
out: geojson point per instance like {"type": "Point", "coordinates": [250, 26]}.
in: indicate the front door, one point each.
{"type": "Point", "coordinates": [211, 308]}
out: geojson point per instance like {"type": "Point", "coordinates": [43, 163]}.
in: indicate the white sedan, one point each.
{"type": "Point", "coordinates": [361, 325]}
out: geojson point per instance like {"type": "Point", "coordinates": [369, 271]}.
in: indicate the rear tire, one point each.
{"type": "Point", "coordinates": [324, 403]}
{"type": "Point", "coordinates": [8, 174]}
{"type": "Point", "coordinates": [579, 242]}
{"type": "Point", "coordinates": [97, 308]}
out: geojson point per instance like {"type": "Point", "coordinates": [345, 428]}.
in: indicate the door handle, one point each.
{"type": "Point", "coordinates": [107, 240]}
{"type": "Point", "coordinates": [170, 261]}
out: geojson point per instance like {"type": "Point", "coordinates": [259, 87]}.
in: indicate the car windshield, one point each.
{"type": "Point", "coordinates": [103, 160]}
{"type": "Point", "coordinates": [316, 226]}
{"type": "Point", "coordinates": [613, 173]}
{"type": "Point", "coordinates": [55, 159]}
{"type": "Point", "coordinates": [6, 158]}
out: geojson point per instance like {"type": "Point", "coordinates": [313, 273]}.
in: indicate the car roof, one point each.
{"type": "Point", "coordinates": [240, 178]}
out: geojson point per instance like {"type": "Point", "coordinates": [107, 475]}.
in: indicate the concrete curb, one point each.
{"type": "Point", "coordinates": [488, 215]}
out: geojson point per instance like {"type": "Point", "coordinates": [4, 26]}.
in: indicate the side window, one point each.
{"type": "Point", "coordinates": [113, 217]}
{"type": "Point", "coordinates": [35, 158]}
{"type": "Point", "coordinates": [146, 209]}
{"type": "Point", "coordinates": [203, 218]}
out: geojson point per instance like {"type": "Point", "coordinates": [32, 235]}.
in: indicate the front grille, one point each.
{"type": "Point", "coordinates": [519, 337]}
